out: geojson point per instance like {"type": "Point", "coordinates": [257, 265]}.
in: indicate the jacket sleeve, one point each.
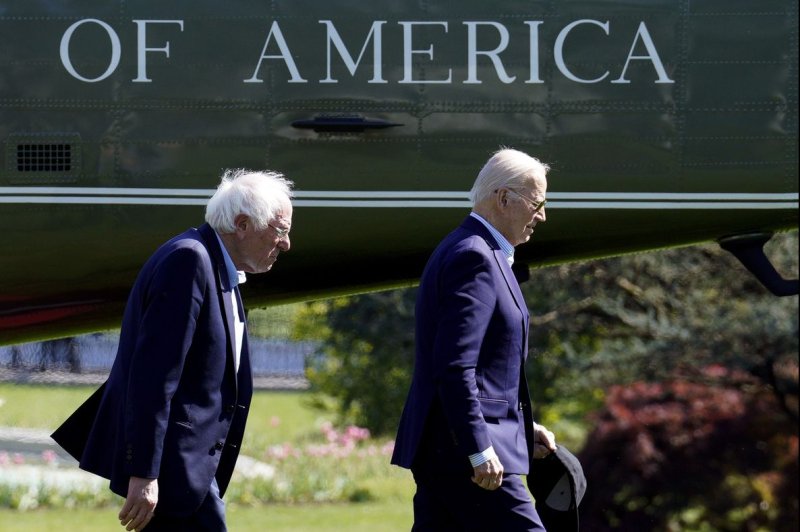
{"type": "Point", "coordinates": [173, 297]}
{"type": "Point", "coordinates": [467, 303]}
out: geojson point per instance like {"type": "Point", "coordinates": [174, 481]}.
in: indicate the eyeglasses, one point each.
{"type": "Point", "coordinates": [280, 231]}
{"type": "Point", "coordinates": [534, 205]}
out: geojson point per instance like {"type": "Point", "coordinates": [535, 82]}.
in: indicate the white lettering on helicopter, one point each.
{"type": "Point", "coordinates": [276, 47]}
{"type": "Point", "coordinates": [116, 48]}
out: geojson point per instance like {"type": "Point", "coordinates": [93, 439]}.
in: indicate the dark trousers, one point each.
{"type": "Point", "coordinates": [209, 517]}
{"type": "Point", "coordinates": [452, 502]}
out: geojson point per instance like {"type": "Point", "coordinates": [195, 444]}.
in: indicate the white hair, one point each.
{"type": "Point", "coordinates": [506, 168]}
{"type": "Point", "coordinates": [259, 195]}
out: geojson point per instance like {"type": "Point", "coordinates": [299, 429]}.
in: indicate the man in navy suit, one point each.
{"type": "Point", "coordinates": [463, 433]}
{"type": "Point", "coordinates": [171, 417]}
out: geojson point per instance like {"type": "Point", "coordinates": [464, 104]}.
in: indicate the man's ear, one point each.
{"type": "Point", "coordinates": [240, 223]}
{"type": "Point", "coordinates": [502, 197]}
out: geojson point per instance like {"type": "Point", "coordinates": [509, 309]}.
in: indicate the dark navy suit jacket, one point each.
{"type": "Point", "coordinates": [471, 345]}
{"type": "Point", "coordinates": [173, 406]}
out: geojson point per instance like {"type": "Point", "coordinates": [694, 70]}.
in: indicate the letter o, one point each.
{"type": "Point", "coordinates": [116, 48]}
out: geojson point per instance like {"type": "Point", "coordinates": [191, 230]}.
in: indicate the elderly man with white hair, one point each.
{"type": "Point", "coordinates": [464, 432]}
{"type": "Point", "coordinates": [167, 425]}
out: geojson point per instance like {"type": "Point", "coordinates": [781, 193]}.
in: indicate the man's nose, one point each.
{"type": "Point", "coordinates": [285, 243]}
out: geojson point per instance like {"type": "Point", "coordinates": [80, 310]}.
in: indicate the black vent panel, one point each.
{"type": "Point", "coordinates": [44, 157]}
{"type": "Point", "coordinates": [41, 158]}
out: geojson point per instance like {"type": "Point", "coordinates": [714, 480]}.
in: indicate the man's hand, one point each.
{"type": "Point", "coordinates": [140, 503]}
{"type": "Point", "coordinates": [544, 441]}
{"type": "Point", "coordinates": [488, 475]}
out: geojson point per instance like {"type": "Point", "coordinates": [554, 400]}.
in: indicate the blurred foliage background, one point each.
{"type": "Point", "coordinates": [673, 374]}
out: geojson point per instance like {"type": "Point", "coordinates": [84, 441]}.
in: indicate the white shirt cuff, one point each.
{"type": "Point", "coordinates": [484, 456]}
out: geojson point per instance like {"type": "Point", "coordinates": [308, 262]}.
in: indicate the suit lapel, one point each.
{"type": "Point", "coordinates": [230, 316]}
{"type": "Point", "coordinates": [516, 293]}
{"type": "Point", "coordinates": [511, 281]}
{"type": "Point", "coordinates": [244, 375]}
{"type": "Point", "coordinates": [223, 289]}
{"type": "Point", "coordinates": [244, 378]}
{"type": "Point", "coordinates": [475, 226]}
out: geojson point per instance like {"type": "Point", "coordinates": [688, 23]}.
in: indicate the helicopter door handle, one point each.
{"type": "Point", "coordinates": [343, 124]}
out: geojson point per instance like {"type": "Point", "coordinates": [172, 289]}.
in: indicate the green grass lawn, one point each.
{"type": "Point", "coordinates": [387, 516]}
{"type": "Point", "coordinates": [39, 406]}
{"type": "Point", "coordinates": [275, 417]}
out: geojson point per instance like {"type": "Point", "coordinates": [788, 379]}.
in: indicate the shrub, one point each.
{"type": "Point", "coordinates": [684, 455]}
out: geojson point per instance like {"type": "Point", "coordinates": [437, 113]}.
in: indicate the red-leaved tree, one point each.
{"type": "Point", "coordinates": [691, 455]}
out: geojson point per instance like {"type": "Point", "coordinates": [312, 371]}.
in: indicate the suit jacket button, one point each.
{"type": "Point", "coordinates": [230, 408]}
{"type": "Point", "coordinates": [218, 446]}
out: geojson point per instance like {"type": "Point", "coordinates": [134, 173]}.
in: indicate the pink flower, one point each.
{"type": "Point", "coordinates": [49, 456]}
{"type": "Point", "coordinates": [318, 451]}
{"type": "Point", "coordinates": [18, 458]}
{"type": "Point", "coordinates": [342, 452]}
{"type": "Point", "coordinates": [4, 460]}
{"type": "Point", "coordinates": [388, 448]}
{"type": "Point", "coordinates": [281, 452]}
{"type": "Point", "coordinates": [357, 433]}
{"type": "Point", "coordinates": [275, 421]}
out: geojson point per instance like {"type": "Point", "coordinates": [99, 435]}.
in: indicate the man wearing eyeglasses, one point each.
{"type": "Point", "coordinates": [167, 426]}
{"type": "Point", "coordinates": [463, 432]}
